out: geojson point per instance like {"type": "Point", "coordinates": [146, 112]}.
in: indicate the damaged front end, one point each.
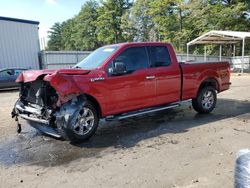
{"type": "Point", "coordinates": [37, 105]}
{"type": "Point", "coordinates": [44, 109]}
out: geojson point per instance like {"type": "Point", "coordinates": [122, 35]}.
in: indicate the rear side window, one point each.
{"type": "Point", "coordinates": [159, 56]}
{"type": "Point", "coordinates": [135, 58]}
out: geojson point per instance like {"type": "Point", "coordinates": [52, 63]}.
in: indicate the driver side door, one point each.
{"type": "Point", "coordinates": [131, 90]}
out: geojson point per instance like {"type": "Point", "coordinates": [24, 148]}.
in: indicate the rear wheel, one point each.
{"type": "Point", "coordinates": [83, 125]}
{"type": "Point", "coordinates": [206, 100]}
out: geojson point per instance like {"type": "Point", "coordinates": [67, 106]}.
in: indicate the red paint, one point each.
{"type": "Point", "coordinates": [119, 94]}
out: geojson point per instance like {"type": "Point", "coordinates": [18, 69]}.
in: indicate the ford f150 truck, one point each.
{"type": "Point", "coordinates": [116, 82]}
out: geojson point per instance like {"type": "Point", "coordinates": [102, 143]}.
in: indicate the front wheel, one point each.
{"type": "Point", "coordinates": [83, 125]}
{"type": "Point", "coordinates": [205, 101]}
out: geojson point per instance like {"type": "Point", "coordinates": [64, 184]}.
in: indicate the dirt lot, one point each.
{"type": "Point", "coordinates": [173, 148]}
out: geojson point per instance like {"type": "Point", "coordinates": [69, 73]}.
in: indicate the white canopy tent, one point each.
{"type": "Point", "coordinates": [221, 37]}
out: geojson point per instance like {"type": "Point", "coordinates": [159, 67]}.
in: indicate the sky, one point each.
{"type": "Point", "coordinates": [47, 12]}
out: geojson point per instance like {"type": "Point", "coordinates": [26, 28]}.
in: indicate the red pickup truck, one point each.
{"type": "Point", "coordinates": [116, 82]}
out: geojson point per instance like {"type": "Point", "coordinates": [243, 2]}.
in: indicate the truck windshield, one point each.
{"type": "Point", "coordinates": [96, 58]}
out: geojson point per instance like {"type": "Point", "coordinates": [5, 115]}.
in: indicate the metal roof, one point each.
{"type": "Point", "coordinates": [220, 37]}
{"type": "Point", "coordinates": [19, 20]}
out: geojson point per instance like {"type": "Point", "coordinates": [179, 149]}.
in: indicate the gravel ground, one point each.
{"type": "Point", "coordinates": [172, 148]}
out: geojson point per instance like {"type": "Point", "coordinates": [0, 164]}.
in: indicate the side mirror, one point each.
{"type": "Point", "coordinates": [119, 68]}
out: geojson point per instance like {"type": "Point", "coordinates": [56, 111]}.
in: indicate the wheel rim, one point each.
{"type": "Point", "coordinates": [84, 122]}
{"type": "Point", "coordinates": [207, 100]}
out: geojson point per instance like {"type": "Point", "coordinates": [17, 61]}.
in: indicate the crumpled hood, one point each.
{"type": "Point", "coordinates": [32, 75]}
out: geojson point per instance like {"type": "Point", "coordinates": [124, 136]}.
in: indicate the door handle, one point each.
{"type": "Point", "coordinates": [150, 77]}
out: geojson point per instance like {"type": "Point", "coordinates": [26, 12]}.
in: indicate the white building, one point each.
{"type": "Point", "coordinates": [19, 43]}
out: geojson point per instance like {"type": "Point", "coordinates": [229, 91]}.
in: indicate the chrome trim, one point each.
{"type": "Point", "coordinates": [140, 112]}
{"type": "Point", "coordinates": [20, 106]}
{"type": "Point", "coordinates": [97, 79]}
{"type": "Point", "coordinates": [148, 111]}
{"type": "Point", "coordinates": [185, 101]}
{"type": "Point", "coordinates": [150, 77]}
{"type": "Point", "coordinates": [34, 119]}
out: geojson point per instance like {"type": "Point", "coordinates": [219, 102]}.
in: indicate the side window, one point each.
{"type": "Point", "coordinates": [7, 73]}
{"type": "Point", "coordinates": [18, 71]}
{"type": "Point", "coordinates": [159, 56]}
{"type": "Point", "coordinates": [134, 58]}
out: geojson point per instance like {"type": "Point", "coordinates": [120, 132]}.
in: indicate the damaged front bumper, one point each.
{"type": "Point", "coordinates": [31, 115]}
{"type": "Point", "coordinates": [57, 122]}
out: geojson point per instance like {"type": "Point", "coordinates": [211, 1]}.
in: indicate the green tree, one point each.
{"type": "Point", "coordinates": [168, 20]}
{"type": "Point", "coordinates": [128, 27]}
{"type": "Point", "coordinates": [175, 21]}
{"type": "Point", "coordinates": [204, 16]}
{"type": "Point", "coordinates": [142, 20]}
{"type": "Point", "coordinates": [68, 30]}
{"type": "Point", "coordinates": [109, 21]}
{"type": "Point", "coordinates": [85, 34]}
{"type": "Point", "coordinates": [55, 37]}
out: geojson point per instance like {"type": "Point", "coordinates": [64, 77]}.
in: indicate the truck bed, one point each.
{"type": "Point", "coordinates": [194, 73]}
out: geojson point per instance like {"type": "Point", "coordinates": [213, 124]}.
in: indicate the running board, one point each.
{"type": "Point", "coordinates": [141, 112]}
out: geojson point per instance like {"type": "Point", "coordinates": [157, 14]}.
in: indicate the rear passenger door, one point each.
{"type": "Point", "coordinates": [167, 75]}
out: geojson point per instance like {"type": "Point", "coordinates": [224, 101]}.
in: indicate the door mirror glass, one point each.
{"type": "Point", "coordinates": [119, 68]}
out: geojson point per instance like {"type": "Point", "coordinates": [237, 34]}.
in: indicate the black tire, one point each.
{"type": "Point", "coordinates": [70, 133]}
{"type": "Point", "coordinates": [205, 101]}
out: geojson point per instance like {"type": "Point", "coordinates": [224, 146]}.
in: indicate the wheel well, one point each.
{"type": "Point", "coordinates": [209, 82]}
{"type": "Point", "coordinates": [95, 103]}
